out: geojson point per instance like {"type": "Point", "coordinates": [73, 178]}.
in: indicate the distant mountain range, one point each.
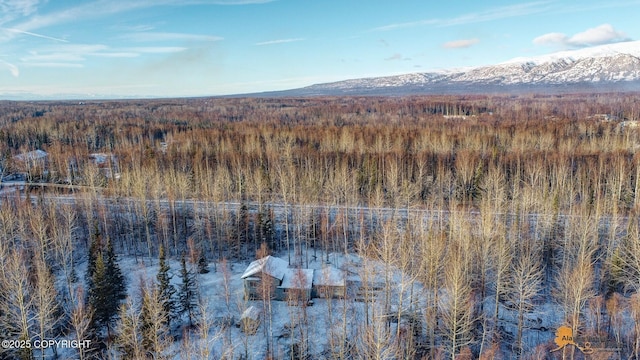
{"type": "Point", "coordinates": [604, 68]}
{"type": "Point", "coordinates": [613, 67]}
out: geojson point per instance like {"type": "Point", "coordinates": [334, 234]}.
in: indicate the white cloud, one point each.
{"type": "Point", "coordinates": [279, 41]}
{"type": "Point", "coordinates": [233, 2]}
{"type": "Point", "coordinates": [406, 25]}
{"type": "Point", "coordinates": [64, 53]}
{"type": "Point", "coordinates": [116, 54]}
{"type": "Point", "coordinates": [460, 44]}
{"type": "Point", "coordinates": [135, 28]}
{"type": "Point", "coordinates": [603, 34]}
{"type": "Point", "coordinates": [501, 12]}
{"type": "Point", "coordinates": [397, 56]}
{"type": "Point", "coordinates": [102, 8]}
{"type": "Point", "coordinates": [53, 65]}
{"type": "Point", "coordinates": [74, 55]}
{"type": "Point", "coordinates": [12, 9]}
{"type": "Point", "coordinates": [18, 31]}
{"type": "Point", "coordinates": [156, 49]}
{"type": "Point", "coordinates": [85, 11]}
{"type": "Point", "coordinates": [551, 39]}
{"type": "Point", "coordinates": [167, 36]}
{"type": "Point", "coordinates": [12, 68]}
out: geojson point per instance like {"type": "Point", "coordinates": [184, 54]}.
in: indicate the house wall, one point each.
{"type": "Point", "coordinates": [250, 326]}
{"type": "Point", "coordinates": [293, 295]}
{"type": "Point", "coordinates": [253, 287]}
{"type": "Point", "coordinates": [34, 169]}
{"type": "Point", "coordinates": [328, 291]}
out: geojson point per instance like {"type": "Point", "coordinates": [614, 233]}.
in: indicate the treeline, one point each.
{"type": "Point", "coordinates": [342, 151]}
{"type": "Point", "coordinates": [529, 203]}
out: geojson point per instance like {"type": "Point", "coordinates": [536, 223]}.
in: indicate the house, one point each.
{"type": "Point", "coordinates": [272, 276]}
{"type": "Point", "coordinates": [107, 164]}
{"type": "Point", "coordinates": [363, 289]}
{"type": "Point", "coordinates": [33, 164]}
{"type": "Point", "coordinates": [35, 156]}
{"type": "Point", "coordinates": [263, 277]}
{"type": "Point", "coordinates": [296, 286]}
{"type": "Point", "coordinates": [329, 282]}
{"type": "Point", "coordinates": [250, 320]}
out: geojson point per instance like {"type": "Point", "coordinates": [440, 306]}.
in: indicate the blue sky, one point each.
{"type": "Point", "coordinates": [214, 47]}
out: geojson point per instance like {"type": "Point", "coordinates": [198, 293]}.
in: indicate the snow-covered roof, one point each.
{"type": "Point", "coordinates": [102, 158]}
{"type": "Point", "coordinates": [31, 155]}
{"type": "Point", "coordinates": [251, 312]}
{"type": "Point", "coordinates": [272, 266]}
{"type": "Point", "coordinates": [298, 279]}
{"type": "Point", "coordinates": [328, 276]}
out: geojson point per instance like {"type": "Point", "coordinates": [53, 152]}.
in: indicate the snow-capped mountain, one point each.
{"type": "Point", "coordinates": [609, 67]}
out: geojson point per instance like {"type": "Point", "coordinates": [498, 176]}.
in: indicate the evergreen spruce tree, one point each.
{"type": "Point", "coordinates": [166, 291]}
{"type": "Point", "coordinates": [188, 297]}
{"type": "Point", "coordinates": [243, 224]}
{"type": "Point", "coordinates": [94, 250]}
{"type": "Point", "coordinates": [99, 295]}
{"type": "Point", "coordinates": [203, 264]}
{"type": "Point", "coordinates": [116, 278]}
{"type": "Point", "coordinates": [265, 223]}
{"type": "Point", "coordinates": [106, 285]}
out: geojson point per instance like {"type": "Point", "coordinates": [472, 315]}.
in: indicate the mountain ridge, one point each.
{"type": "Point", "coordinates": [611, 67]}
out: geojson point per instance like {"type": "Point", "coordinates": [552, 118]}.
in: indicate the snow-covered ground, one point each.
{"type": "Point", "coordinates": [319, 324]}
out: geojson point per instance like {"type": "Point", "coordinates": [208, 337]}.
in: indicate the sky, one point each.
{"type": "Point", "coordinates": [174, 48]}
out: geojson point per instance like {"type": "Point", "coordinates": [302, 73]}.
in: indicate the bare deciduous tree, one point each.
{"type": "Point", "coordinates": [524, 285]}
{"type": "Point", "coordinates": [456, 304]}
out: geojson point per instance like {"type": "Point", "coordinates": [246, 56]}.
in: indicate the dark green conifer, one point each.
{"type": "Point", "coordinates": [105, 283]}
{"type": "Point", "coordinates": [166, 291]}
{"type": "Point", "coordinates": [188, 297]}
{"type": "Point", "coordinates": [203, 264]}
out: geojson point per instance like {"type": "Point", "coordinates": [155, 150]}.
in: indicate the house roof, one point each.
{"type": "Point", "coordinates": [272, 266]}
{"type": "Point", "coordinates": [31, 155]}
{"type": "Point", "coordinates": [102, 158]}
{"type": "Point", "coordinates": [329, 276]}
{"type": "Point", "coordinates": [297, 279]}
{"type": "Point", "coordinates": [251, 312]}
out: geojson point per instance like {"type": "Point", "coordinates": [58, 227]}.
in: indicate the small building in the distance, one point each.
{"type": "Point", "coordinates": [250, 320]}
{"type": "Point", "coordinates": [107, 164]}
{"type": "Point", "coordinates": [33, 164]}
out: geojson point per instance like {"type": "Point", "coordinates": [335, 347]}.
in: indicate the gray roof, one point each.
{"type": "Point", "coordinates": [102, 158]}
{"type": "Point", "coordinates": [252, 313]}
{"type": "Point", "coordinates": [298, 279]}
{"type": "Point", "coordinates": [272, 266]}
{"type": "Point", "coordinates": [329, 276]}
{"type": "Point", "coordinates": [31, 155]}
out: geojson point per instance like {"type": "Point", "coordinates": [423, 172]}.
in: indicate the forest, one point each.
{"type": "Point", "coordinates": [483, 223]}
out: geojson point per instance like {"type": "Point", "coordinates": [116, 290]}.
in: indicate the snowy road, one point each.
{"type": "Point", "coordinates": [279, 208]}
